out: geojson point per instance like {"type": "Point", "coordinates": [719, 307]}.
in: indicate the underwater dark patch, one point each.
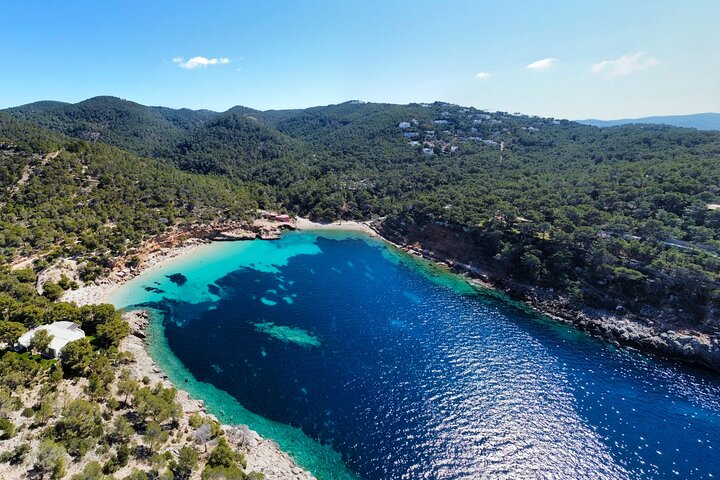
{"type": "Point", "coordinates": [177, 278]}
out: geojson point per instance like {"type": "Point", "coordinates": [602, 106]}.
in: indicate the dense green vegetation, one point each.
{"type": "Point", "coordinates": [609, 217]}
{"type": "Point", "coordinates": [86, 412]}
{"type": "Point", "coordinates": [143, 130]}
{"type": "Point", "coordinates": [92, 202]}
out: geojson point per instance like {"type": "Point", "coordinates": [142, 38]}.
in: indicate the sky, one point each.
{"type": "Point", "coordinates": [566, 59]}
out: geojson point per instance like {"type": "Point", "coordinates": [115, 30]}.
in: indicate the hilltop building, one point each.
{"type": "Point", "coordinates": [62, 333]}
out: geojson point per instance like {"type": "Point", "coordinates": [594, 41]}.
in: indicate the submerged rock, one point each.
{"type": "Point", "coordinates": [178, 279]}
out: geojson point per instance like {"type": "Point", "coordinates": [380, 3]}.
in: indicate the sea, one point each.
{"type": "Point", "coordinates": [364, 362]}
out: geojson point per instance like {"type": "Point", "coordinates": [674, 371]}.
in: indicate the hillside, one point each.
{"type": "Point", "coordinates": [700, 121]}
{"type": "Point", "coordinates": [621, 219]}
{"type": "Point", "coordinates": [92, 202]}
{"type": "Point", "coordinates": [146, 131]}
{"type": "Point", "coordinates": [234, 144]}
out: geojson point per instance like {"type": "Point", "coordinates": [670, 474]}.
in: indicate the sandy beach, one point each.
{"type": "Point", "coordinates": [157, 256]}
{"type": "Point", "coordinates": [305, 224]}
{"type": "Point", "coordinates": [262, 455]}
{"type": "Point", "coordinates": [100, 290]}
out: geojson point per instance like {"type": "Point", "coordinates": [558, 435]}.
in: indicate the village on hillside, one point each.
{"type": "Point", "coordinates": [455, 126]}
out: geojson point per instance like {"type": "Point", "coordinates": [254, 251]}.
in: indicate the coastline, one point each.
{"type": "Point", "coordinates": [265, 455]}
{"type": "Point", "coordinates": [649, 336]}
{"type": "Point", "coordinates": [305, 224]}
{"type": "Point", "coordinates": [262, 455]}
{"type": "Point", "coordinates": [680, 344]}
{"type": "Point", "coordinates": [100, 290]}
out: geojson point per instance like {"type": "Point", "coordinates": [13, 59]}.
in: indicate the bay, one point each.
{"type": "Point", "coordinates": [362, 361]}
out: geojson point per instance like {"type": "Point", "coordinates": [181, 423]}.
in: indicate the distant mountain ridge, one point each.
{"type": "Point", "coordinates": [701, 121]}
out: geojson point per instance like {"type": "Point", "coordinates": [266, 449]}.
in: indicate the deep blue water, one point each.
{"type": "Point", "coordinates": [409, 373]}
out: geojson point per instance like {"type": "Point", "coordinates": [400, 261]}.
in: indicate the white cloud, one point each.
{"type": "Point", "coordinates": [483, 75]}
{"type": "Point", "coordinates": [625, 65]}
{"type": "Point", "coordinates": [543, 64]}
{"type": "Point", "coordinates": [196, 62]}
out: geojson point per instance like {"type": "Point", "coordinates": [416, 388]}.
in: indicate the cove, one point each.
{"type": "Point", "coordinates": [362, 361]}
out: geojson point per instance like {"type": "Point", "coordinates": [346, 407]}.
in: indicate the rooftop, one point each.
{"type": "Point", "coordinates": [62, 332]}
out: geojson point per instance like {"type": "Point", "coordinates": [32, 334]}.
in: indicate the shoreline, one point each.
{"type": "Point", "coordinates": [100, 291]}
{"type": "Point", "coordinates": [161, 252]}
{"type": "Point", "coordinates": [305, 224]}
{"type": "Point", "coordinates": [262, 454]}
{"type": "Point", "coordinates": [685, 345]}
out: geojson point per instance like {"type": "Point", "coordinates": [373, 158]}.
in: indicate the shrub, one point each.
{"type": "Point", "coordinates": [80, 426]}
{"type": "Point", "coordinates": [25, 275]}
{"type": "Point", "coordinates": [16, 456]}
{"type": "Point", "coordinates": [136, 475]}
{"type": "Point", "coordinates": [186, 463]}
{"type": "Point", "coordinates": [155, 435]}
{"type": "Point", "coordinates": [50, 459]}
{"type": "Point", "coordinates": [52, 291]}
{"type": "Point", "coordinates": [7, 429]}
{"type": "Point", "coordinates": [76, 357]}
{"type": "Point", "coordinates": [92, 471]}
{"type": "Point", "coordinates": [109, 334]}
{"type": "Point", "coordinates": [40, 342]}
{"type": "Point", "coordinates": [11, 331]}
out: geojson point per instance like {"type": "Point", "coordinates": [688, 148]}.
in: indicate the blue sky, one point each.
{"type": "Point", "coordinates": [568, 59]}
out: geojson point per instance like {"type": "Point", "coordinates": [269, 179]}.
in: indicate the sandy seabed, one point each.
{"type": "Point", "coordinates": [262, 455]}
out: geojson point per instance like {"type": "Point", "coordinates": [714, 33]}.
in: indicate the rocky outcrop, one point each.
{"type": "Point", "coordinates": [262, 455]}
{"type": "Point", "coordinates": [658, 333]}
{"type": "Point", "coordinates": [633, 331]}
{"type": "Point", "coordinates": [266, 454]}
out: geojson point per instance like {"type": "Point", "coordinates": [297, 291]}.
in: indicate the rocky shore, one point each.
{"type": "Point", "coordinates": [656, 336]}
{"type": "Point", "coordinates": [262, 455]}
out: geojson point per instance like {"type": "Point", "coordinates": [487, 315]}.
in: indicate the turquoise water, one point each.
{"type": "Point", "coordinates": [362, 361]}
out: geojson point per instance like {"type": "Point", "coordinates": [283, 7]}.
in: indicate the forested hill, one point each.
{"type": "Point", "coordinates": [64, 197]}
{"type": "Point", "coordinates": [143, 130]}
{"type": "Point", "coordinates": [624, 216]}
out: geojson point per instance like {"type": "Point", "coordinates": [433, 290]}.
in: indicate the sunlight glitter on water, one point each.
{"type": "Point", "coordinates": [410, 373]}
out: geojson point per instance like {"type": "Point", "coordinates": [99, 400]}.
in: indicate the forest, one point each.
{"type": "Point", "coordinates": [623, 216]}
{"type": "Point", "coordinates": [86, 416]}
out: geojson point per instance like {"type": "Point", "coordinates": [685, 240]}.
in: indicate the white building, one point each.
{"type": "Point", "coordinates": [404, 125]}
{"type": "Point", "coordinates": [62, 334]}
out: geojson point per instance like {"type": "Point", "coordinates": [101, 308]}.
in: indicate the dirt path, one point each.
{"type": "Point", "coordinates": [29, 170]}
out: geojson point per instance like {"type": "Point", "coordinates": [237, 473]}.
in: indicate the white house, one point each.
{"type": "Point", "coordinates": [404, 125]}
{"type": "Point", "coordinates": [62, 334]}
